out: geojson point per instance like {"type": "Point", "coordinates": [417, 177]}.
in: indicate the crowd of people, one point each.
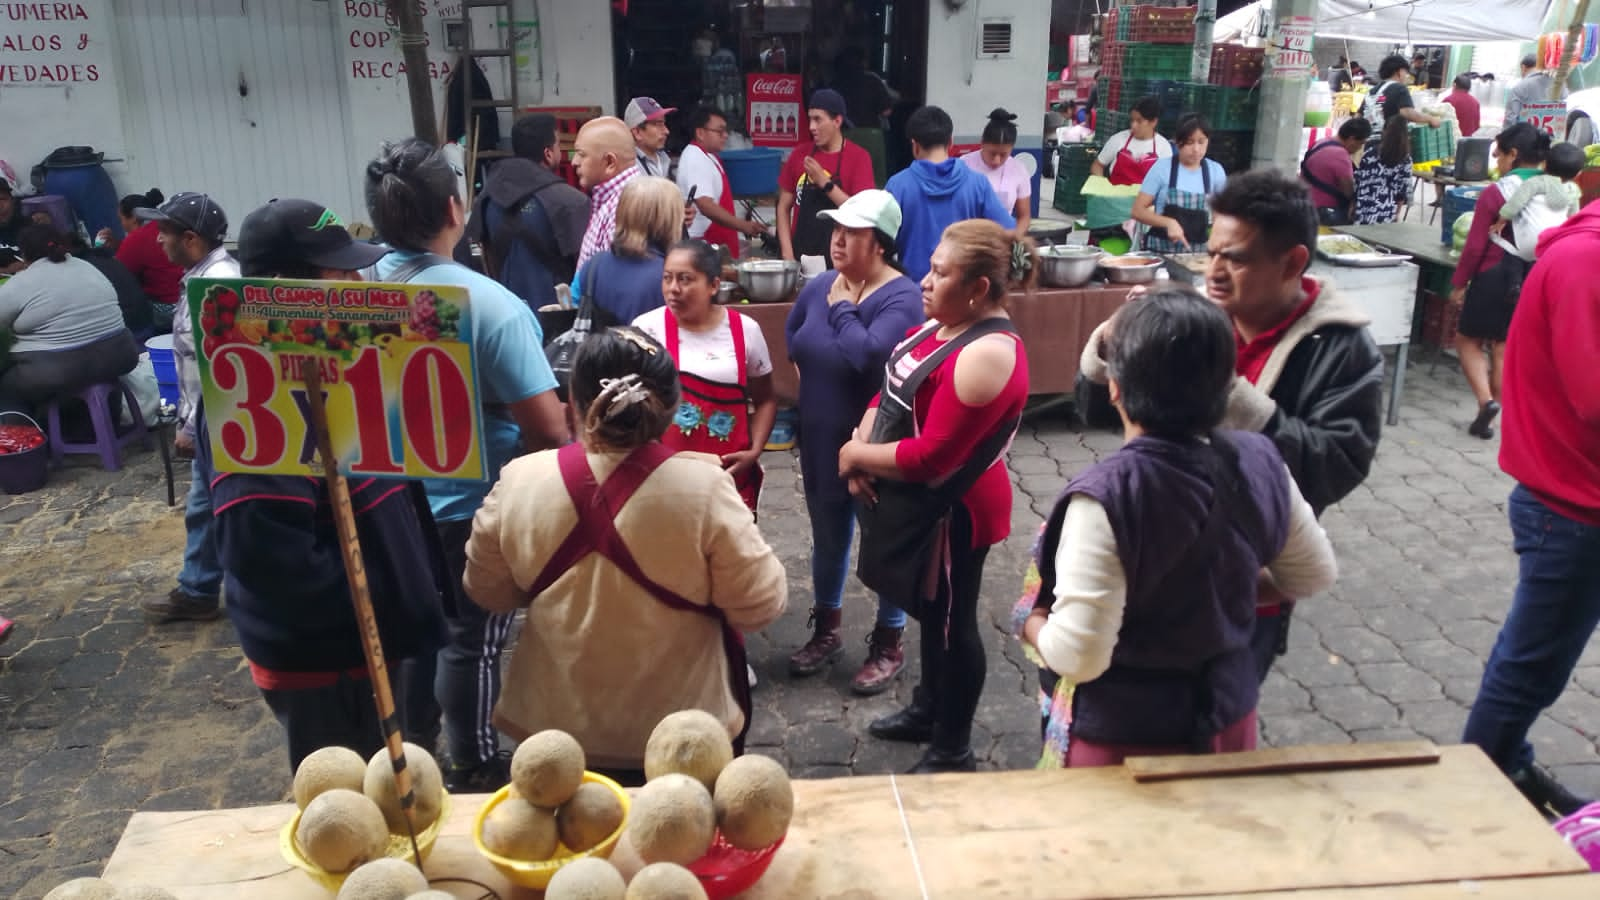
{"type": "Point", "coordinates": [622, 518]}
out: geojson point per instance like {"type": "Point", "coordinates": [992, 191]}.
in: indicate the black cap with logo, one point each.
{"type": "Point", "coordinates": [191, 212]}
{"type": "Point", "coordinates": [290, 232]}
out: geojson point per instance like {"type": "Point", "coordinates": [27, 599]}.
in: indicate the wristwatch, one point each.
{"type": "Point", "coordinates": [828, 188]}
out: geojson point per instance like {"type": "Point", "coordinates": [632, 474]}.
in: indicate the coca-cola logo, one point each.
{"type": "Point", "coordinates": [768, 86]}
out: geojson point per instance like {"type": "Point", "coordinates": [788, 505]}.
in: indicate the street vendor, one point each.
{"type": "Point", "coordinates": [1130, 154]}
{"type": "Point", "coordinates": [1173, 206]}
{"type": "Point", "coordinates": [821, 176]}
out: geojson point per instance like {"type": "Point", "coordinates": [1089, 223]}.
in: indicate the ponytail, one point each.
{"type": "Point", "coordinates": [36, 242]}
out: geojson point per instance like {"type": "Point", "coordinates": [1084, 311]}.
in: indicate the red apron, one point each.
{"type": "Point", "coordinates": [714, 417]}
{"type": "Point", "coordinates": [596, 532]}
{"type": "Point", "coordinates": [722, 234]}
{"type": "Point", "coordinates": [1128, 169]}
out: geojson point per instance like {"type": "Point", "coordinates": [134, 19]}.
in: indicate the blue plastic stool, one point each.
{"type": "Point", "coordinates": [107, 442]}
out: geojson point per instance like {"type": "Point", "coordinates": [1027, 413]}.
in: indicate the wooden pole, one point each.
{"type": "Point", "coordinates": [344, 519]}
{"type": "Point", "coordinates": [414, 51]}
{"type": "Point", "coordinates": [1574, 35]}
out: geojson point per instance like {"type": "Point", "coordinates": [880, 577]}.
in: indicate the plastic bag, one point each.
{"type": "Point", "coordinates": [142, 382]}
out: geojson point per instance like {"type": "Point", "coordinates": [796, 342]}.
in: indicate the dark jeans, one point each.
{"type": "Point", "coordinates": [953, 663]}
{"type": "Point", "coordinates": [1553, 614]}
{"type": "Point", "coordinates": [343, 714]}
{"type": "Point", "coordinates": [34, 377]}
{"type": "Point", "coordinates": [463, 682]}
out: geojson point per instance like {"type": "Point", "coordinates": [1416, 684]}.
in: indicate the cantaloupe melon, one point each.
{"type": "Point", "coordinates": [341, 829]}
{"type": "Point", "coordinates": [83, 889]}
{"type": "Point", "coordinates": [590, 878]}
{"type": "Point", "coordinates": [754, 802]}
{"type": "Point", "coordinates": [665, 881]}
{"type": "Point", "coordinates": [516, 829]}
{"type": "Point", "coordinates": [547, 768]}
{"type": "Point", "coordinates": [691, 742]}
{"type": "Point", "coordinates": [427, 785]}
{"type": "Point", "coordinates": [672, 820]}
{"type": "Point", "coordinates": [383, 879]}
{"type": "Point", "coordinates": [326, 769]}
{"type": "Point", "coordinates": [593, 813]}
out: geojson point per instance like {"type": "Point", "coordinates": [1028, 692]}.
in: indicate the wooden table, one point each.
{"type": "Point", "coordinates": [1054, 323]}
{"type": "Point", "coordinates": [1455, 828]}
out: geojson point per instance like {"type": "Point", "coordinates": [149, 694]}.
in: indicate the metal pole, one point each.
{"type": "Point", "coordinates": [414, 52]}
{"type": "Point", "coordinates": [1574, 34]}
{"type": "Point", "coordinates": [1205, 21]}
{"type": "Point", "coordinates": [1283, 89]}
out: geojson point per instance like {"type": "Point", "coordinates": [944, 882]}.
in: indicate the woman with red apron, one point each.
{"type": "Point", "coordinates": [724, 368]}
{"type": "Point", "coordinates": [1128, 156]}
{"type": "Point", "coordinates": [621, 580]}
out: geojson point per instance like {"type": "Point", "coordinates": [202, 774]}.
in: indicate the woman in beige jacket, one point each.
{"type": "Point", "coordinates": [635, 610]}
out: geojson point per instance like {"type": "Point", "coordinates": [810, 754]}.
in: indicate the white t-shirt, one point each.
{"type": "Point", "coordinates": [697, 169]}
{"type": "Point", "coordinates": [709, 354]}
{"type": "Point", "coordinates": [1139, 149]}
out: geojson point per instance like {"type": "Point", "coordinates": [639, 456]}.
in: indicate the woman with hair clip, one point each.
{"type": "Point", "coordinates": [639, 568]}
{"type": "Point", "coordinates": [725, 369]}
{"type": "Point", "coordinates": [928, 465]}
{"type": "Point", "coordinates": [994, 161]}
{"type": "Point", "coordinates": [1149, 561]}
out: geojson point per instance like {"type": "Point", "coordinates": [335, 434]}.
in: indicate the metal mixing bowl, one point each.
{"type": "Point", "coordinates": [1067, 266]}
{"type": "Point", "coordinates": [727, 292]}
{"type": "Point", "coordinates": [768, 280]}
{"type": "Point", "coordinates": [1144, 273]}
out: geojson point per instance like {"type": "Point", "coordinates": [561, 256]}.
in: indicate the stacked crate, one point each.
{"type": "Point", "coordinates": [1145, 51]}
{"type": "Point", "coordinates": [1072, 170]}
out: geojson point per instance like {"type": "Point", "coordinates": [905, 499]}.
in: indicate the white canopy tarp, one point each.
{"type": "Point", "coordinates": [1405, 21]}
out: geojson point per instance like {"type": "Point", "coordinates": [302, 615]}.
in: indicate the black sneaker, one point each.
{"type": "Point", "coordinates": [1480, 427]}
{"type": "Point", "coordinates": [179, 606]}
{"type": "Point", "coordinates": [1545, 793]}
{"type": "Point", "coordinates": [481, 778]}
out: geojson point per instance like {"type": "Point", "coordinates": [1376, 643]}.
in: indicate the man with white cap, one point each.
{"type": "Point", "coordinates": [648, 121]}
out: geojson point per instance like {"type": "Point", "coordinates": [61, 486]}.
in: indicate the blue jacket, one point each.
{"type": "Point", "coordinates": [934, 196]}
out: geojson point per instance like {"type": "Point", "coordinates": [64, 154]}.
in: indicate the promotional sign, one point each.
{"type": "Point", "coordinates": [1291, 52]}
{"type": "Point", "coordinates": [775, 113]}
{"type": "Point", "coordinates": [1549, 116]}
{"type": "Point", "coordinates": [400, 386]}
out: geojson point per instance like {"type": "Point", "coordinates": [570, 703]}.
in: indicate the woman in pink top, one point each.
{"type": "Point", "coordinates": [994, 161]}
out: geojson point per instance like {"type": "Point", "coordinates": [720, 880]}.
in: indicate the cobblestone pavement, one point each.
{"type": "Point", "coordinates": [102, 715]}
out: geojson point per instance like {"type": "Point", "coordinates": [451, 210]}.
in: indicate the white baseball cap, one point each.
{"type": "Point", "coordinates": [868, 209]}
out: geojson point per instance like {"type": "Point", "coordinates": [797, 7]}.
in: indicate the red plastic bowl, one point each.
{"type": "Point", "coordinates": [726, 870]}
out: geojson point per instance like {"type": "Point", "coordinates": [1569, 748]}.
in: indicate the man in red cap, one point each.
{"type": "Point", "coordinates": [648, 120]}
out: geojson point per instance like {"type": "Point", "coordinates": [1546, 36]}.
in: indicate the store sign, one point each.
{"type": "Point", "coordinates": [1291, 52]}
{"type": "Point", "coordinates": [400, 386]}
{"type": "Point", "coordinates": [1549, 116]}
{"type": "Point", "coordinates": [775, 112]}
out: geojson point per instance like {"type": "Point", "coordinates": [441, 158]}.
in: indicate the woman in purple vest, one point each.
{"type": "Point", "coordinates": [1150, 558]}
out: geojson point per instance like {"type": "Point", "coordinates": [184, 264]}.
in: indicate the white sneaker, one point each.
{"type": "Point", "coordinates": [751, 672]}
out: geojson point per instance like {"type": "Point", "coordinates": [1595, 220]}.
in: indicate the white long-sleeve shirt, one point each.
{"type": "Point", "coordinates": [218, 264]}
{"type": "Point", "coordinates": [1092, 589]}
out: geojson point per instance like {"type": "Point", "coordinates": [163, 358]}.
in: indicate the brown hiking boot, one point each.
{"type": "Point", "coordinates": [824, 647]}
{"type": "Point", "coordinates": [885, 659]}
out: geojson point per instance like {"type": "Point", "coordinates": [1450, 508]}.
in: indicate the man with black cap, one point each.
{"type": "Point", "coordinates": [529, 221]}
{"type": "Point", "coordinates": [288, 593]}
{"type": "Point", "coordinates": [191, 228]}
{"type": "Point", "coordinates": [819, 177]}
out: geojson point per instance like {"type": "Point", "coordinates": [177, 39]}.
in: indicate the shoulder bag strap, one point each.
{"type": "Point", "coordinates": [1318, 183]}
{"type": "Point", "coordinates": [419, 264]}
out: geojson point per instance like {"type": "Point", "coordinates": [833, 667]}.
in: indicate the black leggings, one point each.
{"type": "Point", "coordinates": [953, 667]}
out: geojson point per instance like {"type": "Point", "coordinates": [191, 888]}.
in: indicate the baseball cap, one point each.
{"type": "Point", "coordinates": [299, 231]}
{"type": "Point", "coordinates": [868, 209]}
{"type": "Point", "coordinates": [191, 211]}
{"type": "Point", "coordinates": [645, 109]}
{"type": "Point", "coordinates": [831, 102]}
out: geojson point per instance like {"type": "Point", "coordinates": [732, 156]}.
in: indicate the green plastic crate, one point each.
{"type": "Point", "coordinates": [1172, 62]}
{"type": "Point", "coordinates": [1231, 149]}
{"type": "Point", "coordinates": [1224, 108]}
{"type": "Point", "coordinates": [1108, 122]}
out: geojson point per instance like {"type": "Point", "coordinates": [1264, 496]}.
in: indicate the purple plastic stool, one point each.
{"type": "Point", "coordinates": [107, 443]}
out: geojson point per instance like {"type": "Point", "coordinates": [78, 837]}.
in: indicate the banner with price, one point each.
{"type": "Point", "coordinates": [401, 388]}
{"type": "Point", "coordinates": [1549, 116]}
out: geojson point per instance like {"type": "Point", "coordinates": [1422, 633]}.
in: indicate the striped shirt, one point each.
{"type": "Point", "coordinates": [603, 215]}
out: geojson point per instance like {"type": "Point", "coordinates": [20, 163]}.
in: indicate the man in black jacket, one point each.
{"type": "Point", "coordinates": [1309, 374]}
{"type": "Point", "coordinates": [529, 221]}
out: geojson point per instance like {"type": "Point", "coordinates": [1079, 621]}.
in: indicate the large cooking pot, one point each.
{"type": "Point", "coordinates": [1068, 265]}
{"type": "Point", "coordinates": [768, 280]}
{"type": "Point", "coordinates": [1133, 268]}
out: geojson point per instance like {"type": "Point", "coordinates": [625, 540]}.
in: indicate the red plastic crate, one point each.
{"type": "Point", "coordinates": [1162, 25]}
{"type": "Point", "coordinates": [1235, 66]}
{"type": "Point", "coordinates": [1111, 58]}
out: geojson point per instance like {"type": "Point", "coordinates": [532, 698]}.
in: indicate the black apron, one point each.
{"type": "Point", "coordinates": [812, 234]}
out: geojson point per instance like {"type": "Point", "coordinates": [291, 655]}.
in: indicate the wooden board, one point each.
{"type": "Point", "coordinates": [1283, 760]}
{"type": "Point", "coordinates": [1095, 833]}
{"type": "Point", "coordinates": [1557, 887]}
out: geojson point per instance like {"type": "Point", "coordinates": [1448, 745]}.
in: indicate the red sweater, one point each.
{"type": "Point", "coordinates": [1551, 434]}
{"type": "Point", "coordinates": [949, 431]}
{"type": "Point", "coordinates": [142, 254]}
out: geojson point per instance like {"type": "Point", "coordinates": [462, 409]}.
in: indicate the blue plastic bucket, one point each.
{"type": "Point", "coordinates": [166, 367]}
{"type": "Point", "coordinates": [753, 172]}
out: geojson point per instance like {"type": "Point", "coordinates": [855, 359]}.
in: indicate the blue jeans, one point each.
{"type": "Point", "coordinates": [833, 523]}
{"type": "Point", "coordinates": [201, 575]}
{"type": "Point", "coordinates": [1553, 614]}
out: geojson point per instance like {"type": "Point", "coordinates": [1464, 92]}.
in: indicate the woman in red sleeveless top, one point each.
{"type": "Point", "coordinates": [962, 415]}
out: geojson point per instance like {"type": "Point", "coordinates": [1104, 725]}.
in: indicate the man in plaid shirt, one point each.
{"type": "Point", "coordinates": [605, 162]}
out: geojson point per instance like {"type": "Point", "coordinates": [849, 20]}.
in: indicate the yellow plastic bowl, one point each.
{"type": "Point", "coordinates": [399, 847]}
{"type": "Point", "coordinates": [537, 875]}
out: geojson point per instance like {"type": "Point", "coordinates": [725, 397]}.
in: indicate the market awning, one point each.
{"type": "Point", "coordinates": [1406, 21]}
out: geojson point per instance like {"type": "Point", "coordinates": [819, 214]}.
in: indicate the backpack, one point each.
{"type": "Point", "coordinates": [1373, 108]}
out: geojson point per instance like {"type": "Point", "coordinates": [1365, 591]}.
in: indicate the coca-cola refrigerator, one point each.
{"type": "Point", "coordinates": [775, 111]}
